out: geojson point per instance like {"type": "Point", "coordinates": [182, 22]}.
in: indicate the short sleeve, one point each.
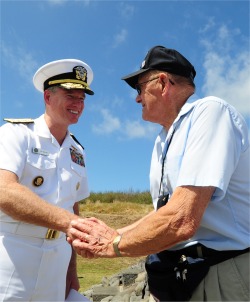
{"type": "Point", "coordinates": [13, 146]}
{"type": "Point", "coordinates": [213, 147]}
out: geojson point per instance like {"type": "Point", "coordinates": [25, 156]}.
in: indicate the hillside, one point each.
{"type": "Point", "coordinates": [116, 214]}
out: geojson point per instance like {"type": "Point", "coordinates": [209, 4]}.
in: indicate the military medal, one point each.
{"type": "Point", "coordinates": [77, 157]}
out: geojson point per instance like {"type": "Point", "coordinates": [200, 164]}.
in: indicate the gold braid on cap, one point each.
{"type": "Point", "coordinates": [55, 82]}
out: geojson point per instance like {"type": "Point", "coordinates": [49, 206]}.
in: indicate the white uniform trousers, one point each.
{"type": "Point", "coordinates": [33, 269]}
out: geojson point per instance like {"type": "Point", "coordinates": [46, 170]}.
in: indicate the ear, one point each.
{"type": "Point", "coordinates": [46, 96]}
{"type": "Point", "coordinates": [163, 81]}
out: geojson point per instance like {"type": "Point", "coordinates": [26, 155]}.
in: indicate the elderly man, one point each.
{"type": "Point", "coordinates": [42, 178]}
{"type": "Point", "coordinates": [197, 238]}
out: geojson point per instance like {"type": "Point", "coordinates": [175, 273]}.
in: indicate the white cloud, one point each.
{"type": "Point", "coordinates": [19, 59]}
{"type": "Point", "coordinates": [126, 10]}
{"type": "Point", "coordinates": [137, 129]}
{"type": "Point", "coordinates": [120, 38]}
{"type": "Point", "coordinates": [210, 24]}
{"type": "Point", "coordinates": [227, 68]}
{"type": "Point", "coordinates": [125, 129]}
{"type": "Point", "coordinates": [109, 124]}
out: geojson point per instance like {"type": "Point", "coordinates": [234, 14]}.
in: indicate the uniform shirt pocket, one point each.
{"type": "Point", "coordinates": [78, 170]}
{"type": "Point", "coordinates": [38, 172]}
{"type": "Point", "coordinates": [79, 178]}
{"type": "Point", "coordinates": [41, 162]}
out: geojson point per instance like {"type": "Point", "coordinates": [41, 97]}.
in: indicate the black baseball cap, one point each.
{"type": "Point", "coordinates": [163, 59]}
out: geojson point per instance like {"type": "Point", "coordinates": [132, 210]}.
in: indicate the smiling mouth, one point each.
{"type": "Point", "coordinates": [73, 111]}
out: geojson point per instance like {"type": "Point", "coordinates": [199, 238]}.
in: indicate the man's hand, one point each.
{"type": "Point", "coordinates": [92, 238]}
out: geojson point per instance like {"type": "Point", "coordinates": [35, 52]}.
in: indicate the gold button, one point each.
{"type": "Point", "coordinates": [38, 181]}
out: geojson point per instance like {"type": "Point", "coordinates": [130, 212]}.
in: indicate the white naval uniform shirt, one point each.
{"type": "Point", "coordinates": [210, 147]}
{"type": "Point", "coordinates": [31, 151]}
{"type": "Point", "coordinates": [34, 268]}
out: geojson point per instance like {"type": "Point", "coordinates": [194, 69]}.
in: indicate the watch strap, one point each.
{"type": "Point", "coordinates": [115, 245]}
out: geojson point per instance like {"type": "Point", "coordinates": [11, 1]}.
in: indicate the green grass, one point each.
{"type": "Point", "coordinates": [110, 197]}
{"type": "Point", "coordinates": [91, 272]}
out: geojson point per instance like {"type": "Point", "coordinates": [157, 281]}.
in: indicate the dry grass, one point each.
{"type": "Point", "coordinates": [116, 215]}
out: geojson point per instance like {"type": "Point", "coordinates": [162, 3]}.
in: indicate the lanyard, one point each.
{"type": "Point", "coordinates": [164, 157]}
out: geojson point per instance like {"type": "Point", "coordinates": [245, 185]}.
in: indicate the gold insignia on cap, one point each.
{"type": "Point", "coordinates": [38, 181]}
{"type": "Point", "coordinates": [81, 73]}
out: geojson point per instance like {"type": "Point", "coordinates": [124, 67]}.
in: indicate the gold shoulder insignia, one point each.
{"type": "Point", "coordinates": [76, 140]}
{"type": "Point", "coordinates": [19, 120]}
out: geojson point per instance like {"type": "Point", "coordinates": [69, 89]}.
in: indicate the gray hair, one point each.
{"type": "Point", "coordinates": [175, 78]}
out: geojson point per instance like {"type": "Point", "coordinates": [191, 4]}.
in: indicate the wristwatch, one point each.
{"type": "Point", "coordinates": [115, 245]}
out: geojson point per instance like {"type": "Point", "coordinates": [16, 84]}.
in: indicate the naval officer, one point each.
{"type": "Point", "coordinates": [42, 179]}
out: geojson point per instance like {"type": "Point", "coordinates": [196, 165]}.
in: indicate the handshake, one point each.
{"type": "Point", "coordinates": [92, 238]}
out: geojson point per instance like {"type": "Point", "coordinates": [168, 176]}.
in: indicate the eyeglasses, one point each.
{"type": "Point", "coordinates": [138, 86]}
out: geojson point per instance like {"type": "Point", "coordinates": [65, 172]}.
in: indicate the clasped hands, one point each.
{"type": "Point", "coordinates": [91, 238]}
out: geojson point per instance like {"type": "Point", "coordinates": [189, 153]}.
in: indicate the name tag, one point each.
{"type": "Point", "coordinates": [40, 151]}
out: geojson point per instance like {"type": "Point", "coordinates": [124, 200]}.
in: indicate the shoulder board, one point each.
{"type": "Point", "coordinates": [19, 120]}
{"type": "Point", "coordinates": [76, 140]}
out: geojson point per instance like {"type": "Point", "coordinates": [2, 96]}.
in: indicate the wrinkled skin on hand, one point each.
{"type": "Point", "coordinates": [92, 238]}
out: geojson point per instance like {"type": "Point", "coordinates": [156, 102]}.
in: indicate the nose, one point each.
{"type": "Point", "coordinates": [138, 99]}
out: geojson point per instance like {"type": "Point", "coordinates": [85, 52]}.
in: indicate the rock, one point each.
{"type": "Point", "coordinates": [127, 286]}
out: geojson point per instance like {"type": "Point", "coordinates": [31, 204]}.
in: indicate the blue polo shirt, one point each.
{"type": "Point", "coordinates": [210, 147]}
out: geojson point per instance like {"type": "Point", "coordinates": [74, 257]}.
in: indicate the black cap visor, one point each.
{"type": "Point", "coordinates": [132, 78]}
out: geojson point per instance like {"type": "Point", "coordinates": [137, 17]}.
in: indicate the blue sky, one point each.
{"type": "Point", "coordinates": [113, 38]}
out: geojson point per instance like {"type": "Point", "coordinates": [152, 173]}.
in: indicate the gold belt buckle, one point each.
{"type": "Point", "coordinates": [52, 234]}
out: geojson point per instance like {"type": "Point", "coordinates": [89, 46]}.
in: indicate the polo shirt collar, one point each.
{"type": "Point", "coordinates": [190, 103]}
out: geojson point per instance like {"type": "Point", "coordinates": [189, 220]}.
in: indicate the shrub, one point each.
{"type": "Point", "coordinates": [110, 197]}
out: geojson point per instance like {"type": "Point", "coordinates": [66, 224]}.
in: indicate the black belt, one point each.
{"type": "Point", "coordinates": [201, 251]}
